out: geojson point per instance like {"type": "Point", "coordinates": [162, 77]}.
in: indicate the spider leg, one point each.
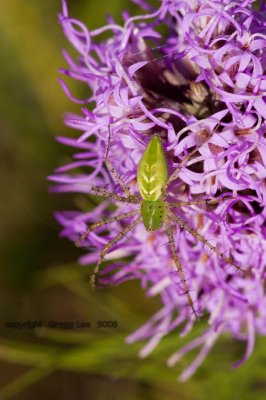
{"type": "Point", "coordinates": [200, 237]}
{"type": "Point", "coordinates": [195, 203]}
{"type": "Point", "coordinates": [110, 244]}
{"type": "Point", "coordinates": [180, 166]}
{"type": "Point", "coordinates": [104, 222]}
{"type": "Point", "coordinates": [112, 170]}
{"type": "Point", "coordinates": [133, 199]}
{"type": "Point", "coordinates": [178, 264]}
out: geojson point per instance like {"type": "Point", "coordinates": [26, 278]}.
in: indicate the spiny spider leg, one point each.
{"type": "Point", "coordinates": [180, 166]}
{"type": "Point", "coordinates": [132, 199]}
{"type": "Point", "coordinates": [104, 222]}
{"type": "Point", "coordinates": [110, 244]}
{"type": "Point", "coordinates": [195, 203]}
{"type": "Point", "coordinates": [170, 236]}
{"type": "Point", "coordinates": [112, 169]}
{"type": "Point", "coordinates": [198, 236]}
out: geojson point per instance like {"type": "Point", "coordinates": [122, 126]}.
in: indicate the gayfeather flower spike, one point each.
{"type": "Point", "coordinates": [174, 136]}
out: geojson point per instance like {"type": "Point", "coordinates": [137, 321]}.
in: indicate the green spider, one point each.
{"type": "Point", "coordinates": [154, 211]}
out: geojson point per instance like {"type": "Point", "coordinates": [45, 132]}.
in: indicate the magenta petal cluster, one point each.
{"type": "Point", "coordinates": [205, 77]}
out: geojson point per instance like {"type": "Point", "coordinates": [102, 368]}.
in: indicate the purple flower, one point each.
{"type": "Point", "coordinates": [202, 86]}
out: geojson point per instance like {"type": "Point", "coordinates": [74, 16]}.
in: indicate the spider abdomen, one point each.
{"type": "Point", "coordinates": [152, 171]}
{"type": "Point", "coordinates": [153, 213]}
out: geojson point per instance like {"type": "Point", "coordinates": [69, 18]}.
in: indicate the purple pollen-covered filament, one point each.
{"type": "Point", "coordinates": [201, 87]}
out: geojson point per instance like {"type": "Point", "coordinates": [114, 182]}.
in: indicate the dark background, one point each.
{"type": "Point", "coordinates": [40, 278]}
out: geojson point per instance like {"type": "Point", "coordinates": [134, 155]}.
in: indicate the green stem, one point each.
{"type": "Point", "coordinates": [24, 381]}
